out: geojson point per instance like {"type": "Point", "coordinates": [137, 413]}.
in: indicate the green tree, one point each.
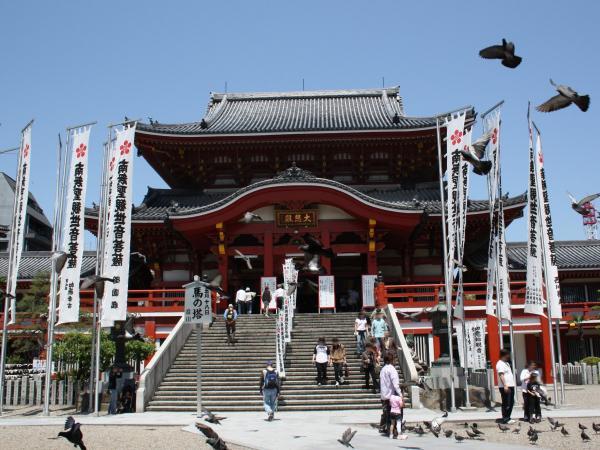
{"type": "Point", "coordinates": [75, 348]}
{"type": "Point", "coordinates": [33, 310]}
{"type": "Point", "coordinates": [138, 351]}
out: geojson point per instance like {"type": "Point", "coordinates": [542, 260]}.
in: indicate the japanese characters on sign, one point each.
{"type": "Point", "coordinates": [296, 218]}
{"type": "Point", "coordinates": [326, 292]}
{"type": "Point", "coordinates": [368, 291]}
{"type": "Point", "coordinates": [118, 227]}
{"type": "Point", "coordinates": [474, 344]}
{"type": "Point", "coordinates": [198, 303]}
{"type": "Point", "coordinates": [552, 281]}
{"type": "Point", "coordinates": [73, 231]}
{"type": "Point", "coordinates": [534, 300]}
{"type": "Point", "coordinates": [19, 219]}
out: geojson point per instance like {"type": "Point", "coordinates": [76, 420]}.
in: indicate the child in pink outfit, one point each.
{"type": "Point", "coordinates": [396, 412]}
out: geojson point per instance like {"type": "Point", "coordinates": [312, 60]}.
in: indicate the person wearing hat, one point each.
{"type": "Point", "coordinates": [269, 389]}
{"type": "Point", "coordinates": [230, 316]}
{"type": "Point", "coordinates": [240, 300]}
{"type": "Point", "coordinates": [249, 298]}
{"type": "Point", "coordinates": [279, 296]}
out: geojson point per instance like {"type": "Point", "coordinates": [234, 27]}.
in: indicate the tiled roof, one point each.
{"type": "Point", "coordinates": [33, 263]}
{"type": "Point", "coordinates": [569, 255]}
{"type": "Point", "coordinates": [305, 111]}
{"type": "Point", "coordinates": [32, 204]}
{"type": "Point", "coordinates": [159, 203]}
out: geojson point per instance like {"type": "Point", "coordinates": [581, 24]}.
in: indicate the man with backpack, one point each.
{"type": "Point", "coordinates": [230, 316]}
{"type": "Point", "coordinates": [269, 389]}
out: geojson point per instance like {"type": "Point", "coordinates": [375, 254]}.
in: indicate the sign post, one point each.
{"type": "Point", "coordinates": [198, 311]}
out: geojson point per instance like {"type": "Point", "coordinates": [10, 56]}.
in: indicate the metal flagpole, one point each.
{"type": "Point", "coordinates": [446, 280]}
{"type": "Point", "coordinates": [99, 262]}
{"type": "Point", "coordinates": [464, 333]}
{"type": "Point", "coordinates": [7, 299]}
{"type": "Point", "coordinates": [199, 370]}
{"type": "Point", "coordinates": [560, 366]}
{"type": "Point", "coordinates": [548, 303]}
{"type": "Point", "coordinates": [56, 238]}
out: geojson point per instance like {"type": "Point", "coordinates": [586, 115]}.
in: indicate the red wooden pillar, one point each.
{"type": "Point", "coordinates": [150, 329]}
{"type": "Point", "coordinates": [436, 347]}
{"type": "Point", "coordinates": [372, 249]}
{"type": "Point", "coordinates": [326, 241]}
{"type": "Point", "coordinates": [493, 341]}
{"type": "Point", "coordinates": [222, 255]}
{"type": "Point", "coordinates": [531, 347]}
{"type": "Point", "coordinates": [268, 254]}
{"type": "Point", "coordinates": [547, 355]}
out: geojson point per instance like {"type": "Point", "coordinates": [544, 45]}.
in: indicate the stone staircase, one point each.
{"type": "Point", "coordinates": [230, 374]}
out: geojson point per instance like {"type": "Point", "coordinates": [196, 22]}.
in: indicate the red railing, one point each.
{"type": "Point", "coordinates": [427, 295]}
{"type": "Point", "coordinates": [144, 300]}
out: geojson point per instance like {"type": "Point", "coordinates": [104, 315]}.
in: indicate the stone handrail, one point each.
{"type": "Point", "coordinates": [411, 377]}
{"type": "Point", "coordinates": [156, 370]}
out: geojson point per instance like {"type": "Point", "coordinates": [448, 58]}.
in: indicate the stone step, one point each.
{"type": "Point", "coordinates": [230, 408]}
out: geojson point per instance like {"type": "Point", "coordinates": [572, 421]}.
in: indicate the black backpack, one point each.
{"type": "Point", "coordinates": [271, 379]}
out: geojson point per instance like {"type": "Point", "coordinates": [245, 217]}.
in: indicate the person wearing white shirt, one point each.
{"type": "Point", "coordinates": [249, 298]}
{"type": "Point", "coordinates": [279, 296]}
{"type": "Point", "coordinates": [240, 300]}
{"type": "Point", "coordinates": [506, 383]}
{"type": "Point", "coordinates": [524, 378]}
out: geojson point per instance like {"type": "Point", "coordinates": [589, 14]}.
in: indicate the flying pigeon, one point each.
{"type": "Point", "coordinates": [212, 418]}
{"type": "Point", "coordinates": [96, 281]}
{"type": "Point", "coordinates": [251, 217]}
{"type": "Point", "coordinates": [475, 152]}
{"type": "Point", "coordinates": [584, 436]}
{"type": "Point", "coordinates": [215, 285]}
{"type": "Point", "coordinates": [130, 332]}
{"type": "Point", "coordinates": [579, 206]}
{"type": "Point", "coordinates": [505, 52]}
{"type": "Point", "coordinates": [412, 316]}
{"type": "Point", "coordinates": [564, 432]}
{"type": "Point", "coordinates": [245, 258]}
{"type": "Point", "coordinates": [73, 433]}
{"type": "Point", "coordinates": [212, 438]}
{"type": "Point", "coordinates": [3, 293]}
{"type": "Point", "coordinates": [566, 96]}
{"type": "Point", "coordinates": [313, 247]}
{"type": "Point", "coordinates": [347, 437]}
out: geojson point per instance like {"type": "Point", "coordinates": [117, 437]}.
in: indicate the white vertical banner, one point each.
{"type": "Point", "coordinates": [475, 344]}
{"type": "Point", "coordinates": [463, 196]}
{"type": "Point", "coordinates": [19, 219]}
{"type": "Point", "coordinates": [534, 300]}
{"type": "Point", "coordinates": [272, 283]}
{"type": "Point", "coordinates": [490, 301]}
{"type": "Point", "coordinates": [455, 140]}
{"type": "Point", "coordinates": [368, 291]}
{"type": "Point", "coordinates": [503, 281]}
{"type": "Point", "coordinates": [326, 292]}
{"type": "Point", "coordinates": [549, 253]}
{"type": "Point", "coordinates": [118, 242]}
{"type": "Point", "coordinates": [492, 125]}
{"type": "Point", "coordinates": [73, 227]}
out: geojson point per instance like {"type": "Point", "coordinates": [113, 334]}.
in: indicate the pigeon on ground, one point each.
{"type": "Point", "coordinates": [596, 427]}
{"type": "Point", "coordinates": [566, 96]}
{"type": "Point", "coordinates": [532, 431]}
{"type": "Point", "coordinates": [458, 437]}
{"type": "Point", "coordinates": [582, 427]}
{"type": "Point", "coordinates": [448, 433]}
{"type": "Point", "coordinates": [212, 418]}
{"type": "Point", "coordinates": [579, 206]}
{"type": "Point", "coordinates": [251, 217]}
{"type": "Point", "coordinates": [419, 430]}
{"type": "Point", "coordinates": [533, 438]}
{"type": "Point", "coordinates": [503, 427]}
{"type": "Point", "coordinates": [212, 438]}
{"type": "Point", "coordinates": [347, 437]}
{"type": "Point", "coordinates": [476, 430]}
{"type": "Point", "coordinates": [505, 52]}
{"type": "Point", "coordinates": [564, 432]}
{"type": "Point", "coordinates": [73, 433]}
{"type": "Point", "coordinates": [245, 258]}
{"type": "Point", "coordinates": [474, 154]}
{"type": "Point", "coordinates": [517, 429]}
{"type": "Point", "coordinates": [584, 436]}
{"type": "Point", "coordinates": [465, 425]}
{"type": "Point", "coordinates": [471, 435]}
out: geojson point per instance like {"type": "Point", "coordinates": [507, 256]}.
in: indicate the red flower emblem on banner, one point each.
{"type": "Point", "coordinates": [125, 146]}
{"type": "Point", "coordinates": [495, 136]}
{"type": "Point", "coordinates": [80, 151]}
{"type": "Point", "coordinates": [456, 137]}
{"type": "Point", "coordinates": [541, 158]}
{"type": "Point", "coordinates": [112, 163]}
{"type": "Point", "coordinates": [26, 150]}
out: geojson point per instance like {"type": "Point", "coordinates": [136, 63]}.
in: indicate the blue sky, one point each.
{"type": "Point", "coordinates": [63, 63]}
